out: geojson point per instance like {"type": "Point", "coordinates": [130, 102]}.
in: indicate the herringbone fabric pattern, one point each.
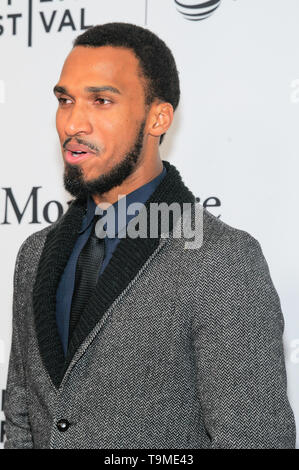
{"type": "Point", "coordinates": [188, 355]}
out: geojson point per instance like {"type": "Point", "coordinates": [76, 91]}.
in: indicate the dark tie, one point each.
{"type": "Point", "coordinates": [87, 273]}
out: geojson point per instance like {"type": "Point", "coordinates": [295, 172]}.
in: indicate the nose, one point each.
{"type": "Point", "coordinates": [78, 122]}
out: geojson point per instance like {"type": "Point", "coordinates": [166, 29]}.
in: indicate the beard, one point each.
{"type": "Point", "coordinates": [75, 184]}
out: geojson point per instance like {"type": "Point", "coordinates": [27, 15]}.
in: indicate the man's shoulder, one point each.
{"type": "Point", "coordinates": [232, 274]}
{"type": "Point", "coordinates": [208, 236]}
{"type": "Point", "coordinates": [31, 248]}
{"type": "Point", "coordinates": [216, 231]}
{"type": "Point", "coordinates": [34, 243]}
{"type": "Point", "coordinates": [227, 247]}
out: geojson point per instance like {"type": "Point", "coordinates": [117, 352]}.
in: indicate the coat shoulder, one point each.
{"type": "Point", "coordinates": [219, 234]}
{"type": "Point", "coordinates": [34, 242]}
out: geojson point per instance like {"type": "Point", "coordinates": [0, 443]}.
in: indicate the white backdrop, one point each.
{"type": "Point", "coordinates": [235, 135]}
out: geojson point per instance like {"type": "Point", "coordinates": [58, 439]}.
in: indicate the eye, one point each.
{"type": "Point", "coordinates": [63, 101]}
{"type": "Point", "coordinates": [103, 101]}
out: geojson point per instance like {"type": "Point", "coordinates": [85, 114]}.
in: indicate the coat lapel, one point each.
{"type": "Point", "coordinates": [56, 252]}
{"type": "Point", "coordinates": [127, 259]}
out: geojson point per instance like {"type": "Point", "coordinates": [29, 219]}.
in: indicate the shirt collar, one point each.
{"type": "Point", "coordinates": [140, 195]}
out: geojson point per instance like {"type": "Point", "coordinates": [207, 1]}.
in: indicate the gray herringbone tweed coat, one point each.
{"type": "Point", "coordinates": [177, 348]}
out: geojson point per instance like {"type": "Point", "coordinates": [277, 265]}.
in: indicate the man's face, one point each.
{"type": "Point", "coordinates": [101, 110]}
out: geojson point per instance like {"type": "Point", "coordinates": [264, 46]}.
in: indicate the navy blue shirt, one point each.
{"type": "Point", "coordinates": [65, 289]}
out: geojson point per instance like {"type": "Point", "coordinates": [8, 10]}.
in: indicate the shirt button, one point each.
{"type": "Point", "coordinates": [63, 425]}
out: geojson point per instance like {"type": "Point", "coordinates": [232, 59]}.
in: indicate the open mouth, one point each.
{"type": "Point", "coordinates": [75, 154]}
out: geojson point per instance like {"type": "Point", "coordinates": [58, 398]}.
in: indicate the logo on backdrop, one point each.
{"type": "Point", "coordinates": [13, 209]}
{"type": "Point", "coordinates": [21, 14]}
{"type": "Point", "coordinates": [29, 209]}
{"type": "Point", "coordinates": [197, 10]}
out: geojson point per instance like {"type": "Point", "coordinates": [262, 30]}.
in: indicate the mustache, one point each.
{"type": "Point", "coordinates": [93, 147]}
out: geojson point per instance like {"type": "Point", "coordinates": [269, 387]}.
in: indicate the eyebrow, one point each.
{"type": "Point", "coordinates": [89, 89]}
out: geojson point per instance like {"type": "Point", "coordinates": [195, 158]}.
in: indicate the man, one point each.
{"type": "Point", "coordinates": [138, 342]}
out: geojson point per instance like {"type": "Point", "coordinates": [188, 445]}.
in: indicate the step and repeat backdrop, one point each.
{"type": "Point", "coordinates": [235, 136]}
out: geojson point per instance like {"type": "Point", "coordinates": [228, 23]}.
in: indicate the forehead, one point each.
{"type": "Point", "coordinates": [88, 66]}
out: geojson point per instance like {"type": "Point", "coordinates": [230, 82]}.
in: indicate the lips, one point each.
{"type": "Point", "coordinates": [78, 148]}
{"type": "Point", "coordinates": [76, 153]}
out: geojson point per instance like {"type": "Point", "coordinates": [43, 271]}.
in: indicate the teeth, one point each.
{"type": "Point", "coordinates": [77, 153]}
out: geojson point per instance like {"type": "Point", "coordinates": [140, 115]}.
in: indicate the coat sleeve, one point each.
{"type": "Point", "coordinates": [237, 330]}
{"type": "Point", "coordinates": [17, 426]}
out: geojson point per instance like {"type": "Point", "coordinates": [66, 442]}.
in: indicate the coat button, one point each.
{"type": "Point", "coordinates": [63, 425]}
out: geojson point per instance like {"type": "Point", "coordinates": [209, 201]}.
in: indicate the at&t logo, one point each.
{"type": "Point", "coordinates": [197, 10]}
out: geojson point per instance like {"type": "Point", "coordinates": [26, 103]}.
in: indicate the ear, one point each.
{"type": "Point", "coordinates": [161, 117]}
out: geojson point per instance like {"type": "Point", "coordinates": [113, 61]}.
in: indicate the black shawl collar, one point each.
{"type": "Point", "coordinates": [126, 261]}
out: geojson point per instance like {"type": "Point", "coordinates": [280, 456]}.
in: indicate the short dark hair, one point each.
{"type": "Point", "coordinates": [157, 63]}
